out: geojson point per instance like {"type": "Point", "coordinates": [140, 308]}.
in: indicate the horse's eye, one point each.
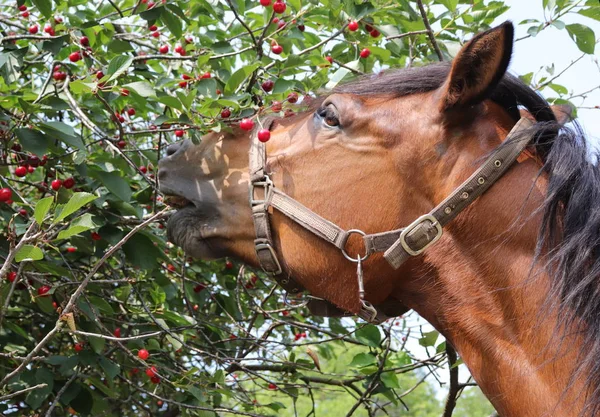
{"type": "Point", "coordinates": [329, 116]}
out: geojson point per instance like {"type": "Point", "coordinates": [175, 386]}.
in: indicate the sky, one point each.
{"type": "Point", "coordinates": [555, 46]}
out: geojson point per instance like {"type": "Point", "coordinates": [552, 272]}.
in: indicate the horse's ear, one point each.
{"type": "Point", "coordinates": [478, 67]}
{"type": "Point", "coordinates": [564, 113]}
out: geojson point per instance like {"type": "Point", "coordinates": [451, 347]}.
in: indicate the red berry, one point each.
{"type": "Point", "coordinates": [75, 56]}
{"type": "Point", "coordinates": [198, 288]}
{"type": "Point", "coordinates": [196, 307]}
{"type": "Point", "coordinates": [164, 49]}
{"type": "Point", "coordinates": [56, 184]}
{"type": "Point", "coordinates": [353, 26]}
{"type": "Point", "coordinates": [368, 27]}
{"type": "Point", "coordinates": [225, 113]}
{"type": "Point", "coordinates": [189, 40]}
{"type": "Point", "coordinates": [206, 75]}
{"type": "Point", "coordinates": [54, 305]}
{"type": "Point", "coordinates": [153, 28]}
{"type": "Point", "coordinates": [48, 28]}
{"type": "Point", "coordinates": [264, 135]}
{"type": "Point", "coordinates": [84, 41]}
{"type": "Point", "coordinates": [78, 347]}
{"type": "Point", "coordinates": [25, 14]}
{"type": "Point", "coordinates": [11, 276]}
{"type": "Point", "coordinates": [275, 20]}
{"type": "Point", "coordinates": [51, 32]}
{"type": "Point", "coordinates": [33, 29]}
{"type": "Point", "coordinates": [292, 97]}
{"type": "Point", "coordinates": [179, 133]}
{"type": "Point", "coordinates": [131, 111]}
{"type": "Point", "coordinates": [365, 53]}
{"type": "Point", "coordinates": [183, 84]}
{"type": "Point", "coordinates": [99, 74]}
{"type": "Point", "coordinates": [155, 34]}
{"type": "Point", "coordinates": [23, 212]}
{"type": "Point", "coordinates": [71, 249]}
{"type": "Point", "coordinates": [159, 403]}
{"type": "Point", "coordinates": [301, 28]}
{"type": "Point", "coordinates": [151, 372]}
{"type": "Point", "coordinates": [186, 77]}
{"type": "Point", "coordinates": [281, 24]}
{"type": "Point", "coordinates": [69, 183]}
{"type": "Point", "coordinates": [276, 106]}
{"type": "Point", "coordinates": [265, 3]}
{"type": "Point", "coordinates": [43, 290]}
{"type": "Point", "coordinates": [268, 85]}
{"type": "Point", "coordinates": [143, 169]}
{"type": "Point", "coordinates": [59, 75]}
{"type": "Point", "coordinates": [143, 354]}
{"type": "Point", "coordinates": [228, 265]}
{"type": "Point", "coordinates": [30, 169]}
{"type": "Point", "coordinates": [246, 124]}
{"type": "Point", "coordinates": [117, 332]}
{"type": "Point", "coordinates": [21, 171]}
{"type": "Point", "coordinates": [272, 386]}
{"type": "Point", "coordinates": [329, 58]}
{"type": "Point", "coordinates": [279, 6]}
{"type": "Point", "coordinates": [178, 49]}
{"type": "Point", "coordinates": [285, 313]}
{"type": "Point", "coordinates": [22, 8]}
{"type": "Point", "coordinates": [374, 33]}
{"type": "Point", "coordinates": [277, 49]}
{"type": "Point", "coordinates": [58, 19]}
{"type": "Point", "coordinates": [171, 267]}
{"type": "Point", "coordinates": [121, 144]}
{"type": "Point", "coordinates": [5, 194]}
{"type": "Point", "coordinates": [155, 379]}
{"type": "Point", "coordinates": [124, 92]}
{"type": "Point", "coordinates": [96, 236]}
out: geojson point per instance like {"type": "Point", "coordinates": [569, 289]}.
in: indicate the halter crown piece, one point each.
{"type": "Point", "coordinates": [397, 245]}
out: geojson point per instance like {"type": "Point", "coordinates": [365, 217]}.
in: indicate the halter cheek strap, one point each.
{"type": "Point", "coordinates": [397, 245]}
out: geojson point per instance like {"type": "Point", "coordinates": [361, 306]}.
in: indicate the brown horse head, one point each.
{"type": "Point", "coordinates": [377, 153]}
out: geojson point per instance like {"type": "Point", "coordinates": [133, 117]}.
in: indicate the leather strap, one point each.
{"type": "Point", "coordinates": [397, 245]}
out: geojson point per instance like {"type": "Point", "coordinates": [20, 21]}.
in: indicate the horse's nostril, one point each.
{"type": "Point", "coordinates": [162, 174]}
{"type": "Point", "coordinates": [172, 148]}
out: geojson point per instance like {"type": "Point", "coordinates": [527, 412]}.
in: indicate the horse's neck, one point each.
{"type": "Point", "coordinates": [482, 297]}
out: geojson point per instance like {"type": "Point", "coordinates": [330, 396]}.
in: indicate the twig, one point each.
{"type": "Point", "coordinates": [23, 391]}
{"type": "Point", "coordinates": [454, 385]}
{"type": "Point", "coordinates": [117, 339]}
{"type": "Point", "coordinates": [404, 35]}
{"type": "Point", "coordinates": [436, 47]}
{"type": "Point", "coordinates": [18, 37]}
{"type": "Point", "coordinates": [60, 393]}
{"type": "Point", "coordinates": [239, 19]}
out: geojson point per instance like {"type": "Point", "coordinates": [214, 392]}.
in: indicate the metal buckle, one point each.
{"type": "Point", "coordinates": [267, 184]}
{"type": "Point", "coordinates": [412, 226]}
{"type": "Point", "coordinates": [266, 245]}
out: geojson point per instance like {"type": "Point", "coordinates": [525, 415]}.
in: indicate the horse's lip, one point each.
{"type": "Point", "coordinates": [177, 202]}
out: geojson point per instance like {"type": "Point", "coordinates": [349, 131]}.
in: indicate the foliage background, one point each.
{"type": "Point", "coordinates": [221, 338]}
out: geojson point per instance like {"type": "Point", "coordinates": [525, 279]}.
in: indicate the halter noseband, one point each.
{"type": "Point", "coordinates": [397, 245]}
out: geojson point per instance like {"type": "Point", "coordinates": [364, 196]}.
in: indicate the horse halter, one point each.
{"type": "Point", "coordinates": [397, 245]}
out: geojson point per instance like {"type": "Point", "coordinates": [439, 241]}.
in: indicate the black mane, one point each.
{"type": "Point", "coordinates": [568, 244]}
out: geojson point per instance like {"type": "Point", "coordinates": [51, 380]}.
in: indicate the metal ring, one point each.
{"type": "Point", "coordinates": [288, 303]}
{"type": "Point", "coordinates": [358, 258]}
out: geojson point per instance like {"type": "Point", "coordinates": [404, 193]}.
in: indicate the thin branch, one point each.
{"type": "Point", "coordinates": [436, 47]}
{"type": "Point", "coordinates": [454, 385]}
{"type": "Point", "coordinates": [23, 391]}
{"type": "Point", "coordinates": [60, 393]}
{"type": "Point", "coordinates": [404, 35]}
{"type": "Point", "coordinates": [19, 37]}
{"type": "Point", "coordinates": [117, 339]}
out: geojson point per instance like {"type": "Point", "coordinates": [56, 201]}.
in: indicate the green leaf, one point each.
{"type": "Point", "coordinates": [33, 141]}
{"type": "Point", "coordinates": [64, 132]}
{"type": "Point", "coordinates": [363, 359]}
{"type": "Point", "coordinates": [111, 369]}
{"type": "Point", "coordinates": [583, 36]}
{"type": "Point", "coordinates": [239, 76]}
{"type": "Point", "coordinates": [102, 305]}
{"type": "Point", "coordinates": [45, 8]}
{"type": "Point", "coordinates": [429, 339]}
{"type": "Point", "coordinates": [172, 22]}
{"type": "Point", "coordinates": [115, 184]}
{"type": "Point", "coordinates": [559, 88]}
{"type": "Point", "coordinates": [369, 335]}
{"type": "Point", "coordinates": [390, 380]}
{"type": "Point", "coordinates": [118, 65]}
{"type": "Point", "coordinates": [592, 13]}
{"type": "Point", "coordinates": [36, 397]}
{"type": "Point", "coordinates": [41, 209]}
{"type": "Point", "coordinates": [141, 252]}
{"type": "Point", "coordinates": [84, 401]}
{"type": "Point", "coordinates": [29, 253]}
{"type": "Point", "coordinates": [79, 225]}
{"type": "Point", "coordinates": [549, 4]}
{"type": "Point", "coordinates": [76, 201]}
{"type": "Point", "coordinates": [142, 88]}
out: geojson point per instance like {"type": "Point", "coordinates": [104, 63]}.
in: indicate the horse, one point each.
{"type": "Point", "coordinates": [510, 277]}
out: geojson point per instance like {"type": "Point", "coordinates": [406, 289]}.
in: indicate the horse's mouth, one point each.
{"type": "Point", "coordinates": [177, 202]}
